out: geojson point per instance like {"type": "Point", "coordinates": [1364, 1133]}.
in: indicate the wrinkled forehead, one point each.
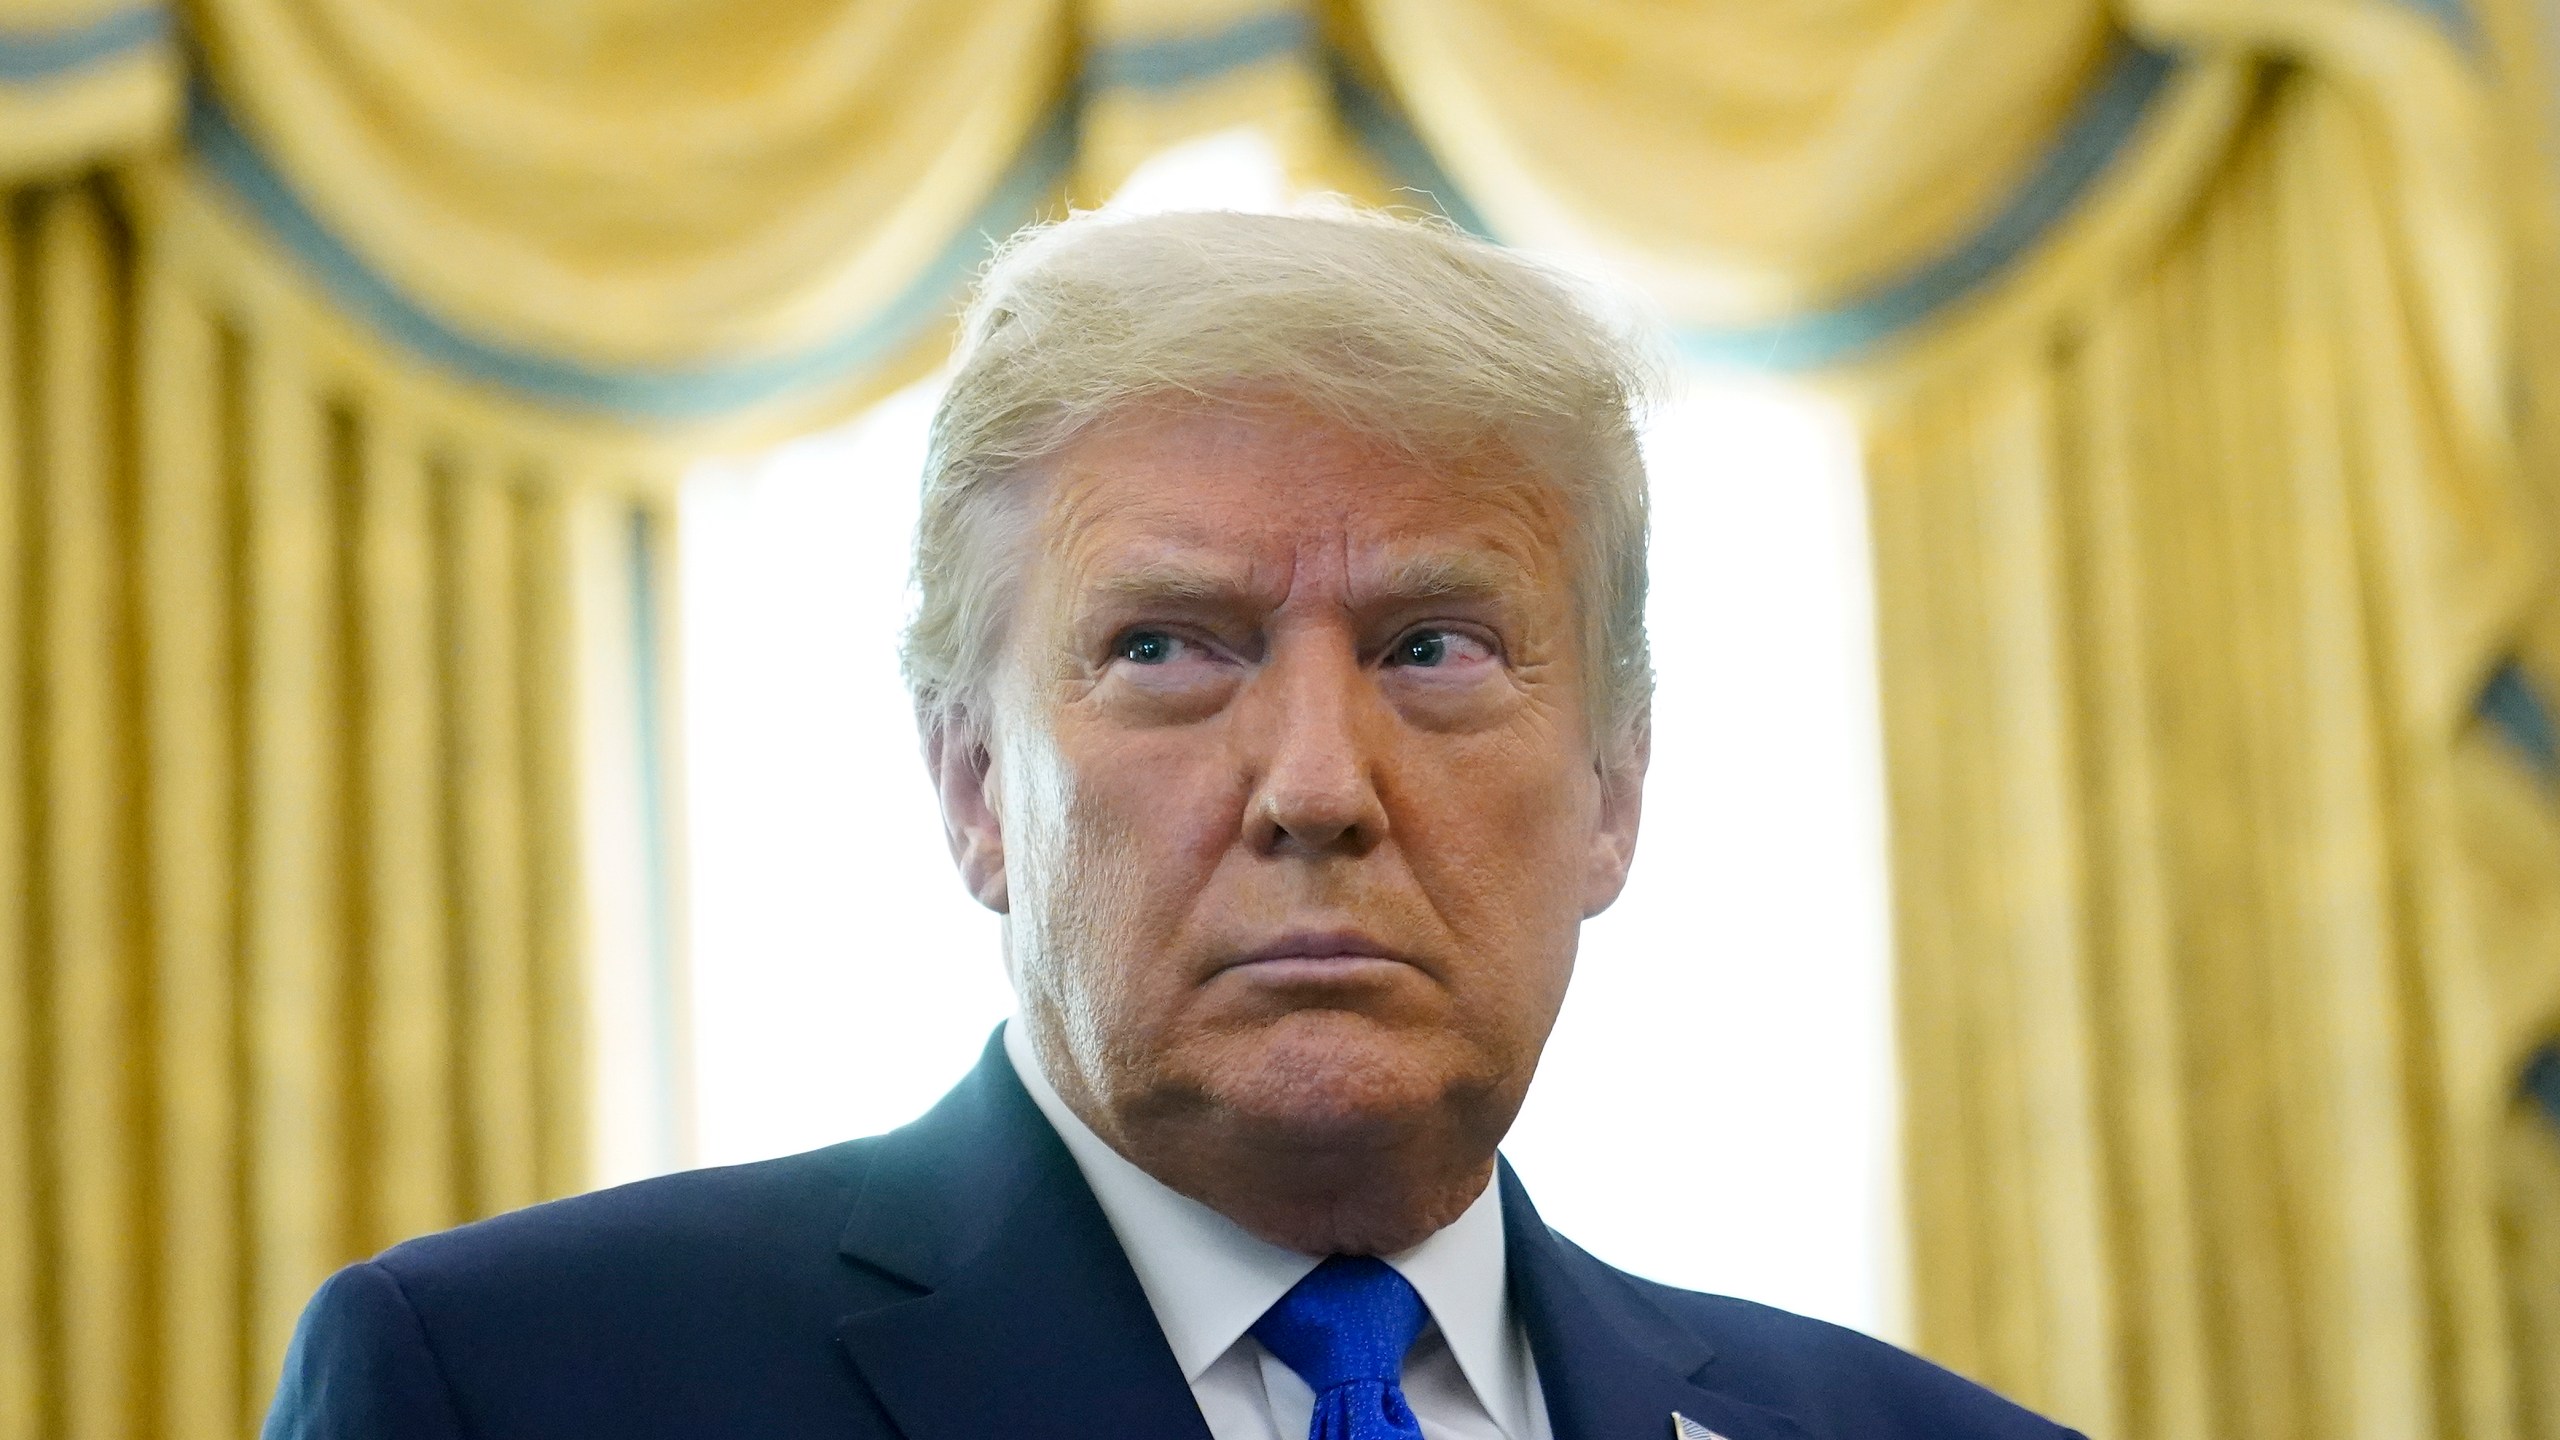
{"type": "Point", "coordinates": [1267, 502]}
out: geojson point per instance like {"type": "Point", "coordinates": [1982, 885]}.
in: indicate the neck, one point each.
{"type": "Point", "coordinates": [1316, 1201]}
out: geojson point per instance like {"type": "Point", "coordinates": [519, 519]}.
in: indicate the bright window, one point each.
{"type": "Point", "coordinates": [1716, 1109]}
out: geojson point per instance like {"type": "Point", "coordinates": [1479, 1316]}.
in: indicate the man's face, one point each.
{"type": "Point", "coordinates": [1291, 798]}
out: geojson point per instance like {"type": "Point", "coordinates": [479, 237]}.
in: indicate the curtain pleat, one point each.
{"type": "Point", "coordinates": [2158, 1334]}
{"type": "Point", "coordinates": [2529, 1235]}
{"type": "Point", "coordinates": [487, 776]}
{"type": "Point", "coordinates": [186, 531]}
{"type": "Point", "coordinates": [25, 1257]}
{"type": "Point", "coordinates": [405, 930]}
{"type": "Point", "coordinates": [295, 1120]}
{"type": "Point", "coordinates": [547, 646]}
{"type": "Point", "coordinates": [1987, 887]}
{"type": "Point", "coordinates": [83, 914]}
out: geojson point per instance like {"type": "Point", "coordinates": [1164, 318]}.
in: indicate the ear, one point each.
{"type": "Point", "coordinates": [1613, 835]}
{"type": "Point", "coordinates": [963, 770]}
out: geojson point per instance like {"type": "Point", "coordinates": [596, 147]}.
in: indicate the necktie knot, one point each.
{"type": "Point", "coordinates": [1345, 1329]}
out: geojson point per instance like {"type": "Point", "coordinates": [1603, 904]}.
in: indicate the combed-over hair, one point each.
{"type": "Point", "coordinates": [1406, 331]}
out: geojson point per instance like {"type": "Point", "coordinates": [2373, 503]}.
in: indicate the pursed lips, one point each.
{"type": "Point", "coordinates": [1316, 955]}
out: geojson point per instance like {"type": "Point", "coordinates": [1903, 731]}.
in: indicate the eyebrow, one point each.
{"type": "Point", "coordinates": [1452, 575]}
{"type": "Point", "coordinates": [1171, 580]}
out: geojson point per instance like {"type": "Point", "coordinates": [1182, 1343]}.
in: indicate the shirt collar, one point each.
{"type": "Point", "coordinates": [1461, 1274]}
{"type": "Point", "coordinates": [1208, 1279]}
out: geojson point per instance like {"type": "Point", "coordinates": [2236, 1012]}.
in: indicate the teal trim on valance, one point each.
{"type": "Point", "coordinates": [2093, 139]}
{"type": "Point", "coordinates": [2541, 1080]}
{"type": "Point", "coordinates": [2512, 703]}
{"type": "Point", "coordinates": [1385, 133]}
{"type": "Point", "coordinates": [34, 57]}
{"type": "Point", "coordinates": [2097, 133]}
{"type": "Point", "coordinates": [2454, 15]}
{"type": "Point", "coordinates": [670, 394]}
{"type": "Point", "coordinates": [1172, 62]}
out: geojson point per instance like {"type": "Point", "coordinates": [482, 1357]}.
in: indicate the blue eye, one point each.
{"type": "Point", "coordinates": [1145, 647]}
{"type": "Point", "coordinates": [1423, 647]}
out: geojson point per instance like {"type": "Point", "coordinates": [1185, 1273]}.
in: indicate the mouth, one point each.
{"type": "Point", "coordinates": [1316, 956]}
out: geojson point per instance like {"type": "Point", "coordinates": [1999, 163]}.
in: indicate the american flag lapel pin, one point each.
{"type": "Point", "coordinates": [1684, 1428]}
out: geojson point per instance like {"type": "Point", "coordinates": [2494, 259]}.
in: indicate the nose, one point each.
{"type": "Point", "coordinates": [1318, 791]}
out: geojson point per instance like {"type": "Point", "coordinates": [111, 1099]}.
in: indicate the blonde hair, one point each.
{"type": "Point", "coordinates": [1405, 331]}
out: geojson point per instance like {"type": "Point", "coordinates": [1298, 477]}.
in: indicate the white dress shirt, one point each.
{"type": "Point", "coordinates": [1470, 1377]}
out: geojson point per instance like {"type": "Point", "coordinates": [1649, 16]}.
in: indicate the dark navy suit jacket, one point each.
{"type": "Point", "coordinates": [955, 1280]}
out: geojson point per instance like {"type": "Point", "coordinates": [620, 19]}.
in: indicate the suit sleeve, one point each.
{"type": "Point", "coordinates": [360, 1368]}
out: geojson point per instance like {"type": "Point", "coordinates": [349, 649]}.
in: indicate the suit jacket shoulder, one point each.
{"type": "Point", "coordinates": [1618, 1355]}
{"type": "Point", "coordinates": [949, 1280]}
{"type": "Point", "coordinates": [703, 1233]}
{"type": "Point", "coordinates": [639, 1310]}
{"type": "Point", "coordinates": [1834, 1379]}
{"type": "Point", "coordinates": [1842, 1382]}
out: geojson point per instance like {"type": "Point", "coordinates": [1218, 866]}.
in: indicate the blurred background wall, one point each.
{"type": "Point", "coordinates": [2203, 358]}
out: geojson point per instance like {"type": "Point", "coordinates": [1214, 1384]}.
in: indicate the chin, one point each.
{"type": "Point", "coordinates": [1328, 1079]}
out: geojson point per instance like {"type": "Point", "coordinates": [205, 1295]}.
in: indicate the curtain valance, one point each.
{"type": "Point", "coordinates": [633, 187]}
{"type": "Point", "coordinates": [614, 227]}
{"type": "Point", "coordinates": [1752, 161]}
{"type": "Point", "coordinates": [668, 216]}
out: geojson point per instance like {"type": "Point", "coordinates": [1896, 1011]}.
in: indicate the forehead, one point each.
{"type": "Point", "coordinates": [1268, 489]}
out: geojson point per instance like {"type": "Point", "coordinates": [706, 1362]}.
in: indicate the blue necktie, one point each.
{"type": "Point", "coordinates": [1345, 1329]}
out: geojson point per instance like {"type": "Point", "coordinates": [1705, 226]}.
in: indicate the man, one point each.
{"type": "Point", "coordinates": [1281, 664]}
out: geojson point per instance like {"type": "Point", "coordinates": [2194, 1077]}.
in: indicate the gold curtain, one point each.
{"type": "Point", "coordinates": [286, 789]}
{"type": "Point", "coordinates": [2226, 926]}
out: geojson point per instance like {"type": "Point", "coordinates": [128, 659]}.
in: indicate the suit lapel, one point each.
{"type": "Point", "coordinates": [1614, 1365]}
{"type": "Point", "coordinates": [1027, 1319]}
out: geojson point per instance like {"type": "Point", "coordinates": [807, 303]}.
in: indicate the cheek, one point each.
{"type": "Point", "coordinates": [1130, 833]}
{"type": "Point", "coordinates": [1496, 832]}
{"type": "Point", "coordinates": [1161, 803]}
